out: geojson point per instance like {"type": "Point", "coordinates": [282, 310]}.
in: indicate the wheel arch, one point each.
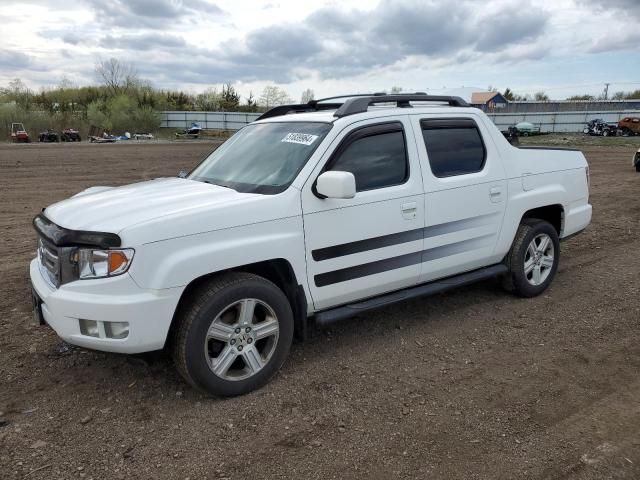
{"type": "Point", "coordinates": [278, 271]}
{"type": "Point", "coordinates": [554, 214]}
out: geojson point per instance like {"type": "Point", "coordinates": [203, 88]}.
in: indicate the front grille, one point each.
{"type": "Point", "coordinates": [49, 262]}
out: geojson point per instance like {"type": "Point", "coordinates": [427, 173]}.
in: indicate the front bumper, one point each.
{"type": "Point", "coordinates": [116, 299]}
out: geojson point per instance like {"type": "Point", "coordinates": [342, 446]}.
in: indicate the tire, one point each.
{"type": "Point", "coordinates": [606, 133]}
{"type": "Point", "coordinates": [225, 363]}
{"type": "Point", "coordinates": [542, 269]}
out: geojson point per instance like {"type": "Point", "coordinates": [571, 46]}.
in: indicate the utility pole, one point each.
{"type": "Point", "coordinates": [606, 90]}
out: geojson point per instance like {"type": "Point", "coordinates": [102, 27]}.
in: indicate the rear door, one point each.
{"type": "Point", "coordinates": [372, 243]}
{"type": "Point", "coordinates": [465, 194]}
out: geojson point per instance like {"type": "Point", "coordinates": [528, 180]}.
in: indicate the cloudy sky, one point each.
{"type": "Point", "coordinates": [560, 46]}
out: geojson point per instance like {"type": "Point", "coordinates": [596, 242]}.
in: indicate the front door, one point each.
{"type": "Point", "coordinates": [372, 243]}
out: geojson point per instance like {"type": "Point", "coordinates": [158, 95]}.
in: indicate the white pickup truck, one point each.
{"type": "Point", "coordinates": [313, 213]}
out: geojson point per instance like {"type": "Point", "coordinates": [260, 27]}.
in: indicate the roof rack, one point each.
{"type": "Point", "coordinates": [312, 106]}
{"type": "Point", "coordinates": [360, 103]}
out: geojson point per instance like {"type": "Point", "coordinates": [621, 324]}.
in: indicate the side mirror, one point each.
{"type": "Point", "coordinates": [336, 184]}
{"type": "Point", "coordinates": [183, 174]}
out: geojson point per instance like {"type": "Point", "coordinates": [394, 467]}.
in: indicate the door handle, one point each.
{"type": "Point", "coordinates": [409, 210]}
{"type": "Point", "coordinates": [495, 193]}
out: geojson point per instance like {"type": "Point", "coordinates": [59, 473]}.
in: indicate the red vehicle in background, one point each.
{"type": "Point", "coordinates": [19, 134]}
{"type": "Point", "coordinates": [629, 126]}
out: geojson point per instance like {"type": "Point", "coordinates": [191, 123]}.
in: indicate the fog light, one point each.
{"type": "Point", "coordinates": [117, 330]}
{"type": "Point", "coordinates": [89, 328]}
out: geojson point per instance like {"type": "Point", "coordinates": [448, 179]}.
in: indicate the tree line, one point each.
{"type": "Point", "coordinates": [541, 96]}
{"type": "Point", "coordinates": [122, 101]}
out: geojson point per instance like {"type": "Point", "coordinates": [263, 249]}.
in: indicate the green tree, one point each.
{"type": "Point", "coordinates": [509, 95]}
{"type": "Point", "coordinates": [229, 98]}
{"type": "Point", "coordinates": [581, 97]}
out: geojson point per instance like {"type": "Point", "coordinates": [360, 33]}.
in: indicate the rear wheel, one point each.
{"type": "Point", "coordinates": [533, 258]}
{"type": "Point", "coordinates": [233, 335]}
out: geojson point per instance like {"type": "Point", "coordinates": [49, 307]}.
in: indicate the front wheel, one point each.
{"type": "Point", "coordinates": [533, 258]}
{"type": "Point", "coordinates": [233, 335]}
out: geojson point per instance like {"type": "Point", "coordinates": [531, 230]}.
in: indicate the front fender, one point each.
{"type": "Point", "coordinates": [178, 261]}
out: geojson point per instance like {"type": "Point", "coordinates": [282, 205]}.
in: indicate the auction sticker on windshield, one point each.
{"type": "Point", "coordinates": [301, 138]}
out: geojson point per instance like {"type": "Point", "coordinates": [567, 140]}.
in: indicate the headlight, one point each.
{"type": "Point", "coordinates": [102, 263]}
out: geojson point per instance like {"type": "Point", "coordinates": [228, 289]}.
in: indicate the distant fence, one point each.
{"type": "Point", "coordinates": [208, 120]}
{"type": "Point", "coordinates": [560, 122]}
{"type": "Point", "coordinates": [566, 106]}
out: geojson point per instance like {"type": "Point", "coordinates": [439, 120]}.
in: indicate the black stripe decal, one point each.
{"type": "Point", "coordinates": [351, 273]}
{"type": "Point", "coordinates": [380, 266]}
{"type": "Point", "coordinates": [368, 244]}
{"type": "Point", "coordinates": [458, 225]}
{"type": "Point", "coordinates": [358, 246]}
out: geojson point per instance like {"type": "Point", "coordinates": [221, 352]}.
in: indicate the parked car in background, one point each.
{"type": "Point", "coordinates": [18, 133]}
{"type": "Point", "coordinates": [49, 136]}
{"type": "Point", "coordinates": [525, 129]}
{"type": "Point", "coordinates": [629, 126]}
{"type": "Point", "coordinates": [70, 135]}
{"type": "Point", "coordinates": [598, 127]}
{"type": "Point", "coordinates": [314, 213]}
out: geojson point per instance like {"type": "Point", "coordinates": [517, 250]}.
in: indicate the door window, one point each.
{"type": "Point", "coordinates": [376, 155]}
{"type": "Point", "coordinates": [454, 146]}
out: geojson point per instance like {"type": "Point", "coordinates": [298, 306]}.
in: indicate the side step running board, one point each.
{"type": "Point", "coordinates": [340, 313]}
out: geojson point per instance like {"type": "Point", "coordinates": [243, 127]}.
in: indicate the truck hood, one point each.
{"type": "Point", "coordinates": [113, 209]}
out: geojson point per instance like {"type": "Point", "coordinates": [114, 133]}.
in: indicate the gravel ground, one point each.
{"type": "Point", "coordinates": [471, 384]}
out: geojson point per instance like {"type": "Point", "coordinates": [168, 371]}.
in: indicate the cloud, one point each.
{"type": "Point", "coordinates": [630, 7]}
{"type": "Point", "coordinates": [146, 41]}
{"type": "Point", "coordinates": [625, 40]}
{"type": "Point", "coordinates": [71, 38]}
{"type": "Point", "coordinates": [336, 43]}
{"type": "Point", "coordinates": [626, 36]}
{"type": "Point", "coordinates": [12, 60]}
{"type": "Point", "coordinates": [149, 13]}
{"type": "Point", "coordinates": [512, 25]}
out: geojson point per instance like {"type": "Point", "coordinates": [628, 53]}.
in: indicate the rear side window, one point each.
{"type": "Point", "coordinates": [376, 155]}
{"type": "Point", "coordinates": [454, 146]}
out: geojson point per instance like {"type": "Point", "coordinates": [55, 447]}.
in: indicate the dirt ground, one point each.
{"type": "Point", "coordinates": [472, 384]}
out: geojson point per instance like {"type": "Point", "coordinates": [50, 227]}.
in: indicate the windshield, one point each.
{"type": "Point", "coordinates": [262, 158]}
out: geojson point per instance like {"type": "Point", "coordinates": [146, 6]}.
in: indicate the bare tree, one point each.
{"type": "Point", "coordinates": [307, 96]}
{"type": "Point", "coordinates": [118, 76]}
{"type": "Point", "coordinates": [541, 96]}
{"type": "Point", "coordinates": [273, 96]}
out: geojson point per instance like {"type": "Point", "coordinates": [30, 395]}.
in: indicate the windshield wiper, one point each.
{"type": "Point", "coordinates": [219, 184]}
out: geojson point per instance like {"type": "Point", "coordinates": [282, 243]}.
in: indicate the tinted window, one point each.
{"type": "Point", "coordinates": [454, 148]}
{"type": "Point", "coordinates": [376, 161]}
